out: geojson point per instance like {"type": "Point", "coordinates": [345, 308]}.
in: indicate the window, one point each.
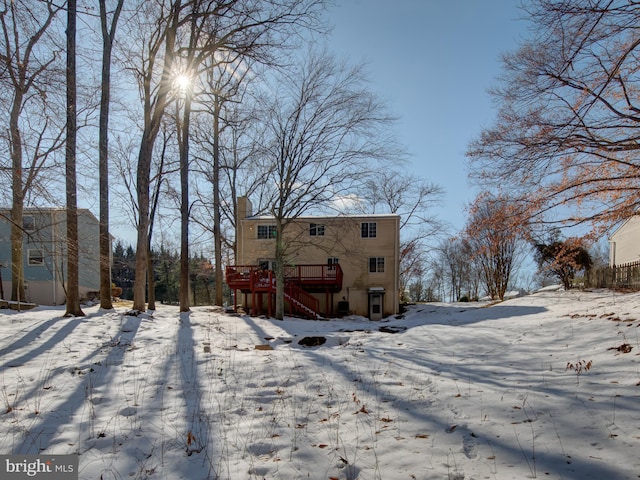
{"type": "Point", "coordinates": [35, 257]}
{"type": "Point", "coordinates": [266, 264]}
{"type": "Point", "coordinates": [331, 262]}
{"type": "Point", "coordinates": [368, 229]}
{"type": "Point", "coordinates": [266, 231]}
{"type": "Point", "coordinates": [28, 223]}
{"type": "Point", "coordinates": [376, 264]}
{"type": "Point", "coordinates": [316, 230]}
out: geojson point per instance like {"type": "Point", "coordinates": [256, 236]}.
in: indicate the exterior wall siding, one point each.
{"type": "Point", "coordinates": [624, 243]}
{"type": "Point", "coordinates": [5, 255]}
{"type": "Point", "coordinates": [89, 255]}
{"type": "Point", "coordinates": [44, 282]}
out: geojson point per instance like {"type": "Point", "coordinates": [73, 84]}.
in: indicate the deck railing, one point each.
{"type": "Point", "coordinates": [250, 276]}
{"type": "Point", "coordinates": [316, 274]}
{"type": "Point", "coordinates": [239, 276]}
{"type": "Point", "coordinates": [298, 298]}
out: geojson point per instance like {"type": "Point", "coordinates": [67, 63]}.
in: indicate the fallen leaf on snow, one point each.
{"type": "Point", "coordinates": [624, 348]}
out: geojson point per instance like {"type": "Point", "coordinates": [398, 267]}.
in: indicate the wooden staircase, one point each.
{"type": "Point", "coordinates": [299, 300]}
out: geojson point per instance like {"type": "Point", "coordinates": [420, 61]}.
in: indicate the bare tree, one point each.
{"type": "Point", "coordinates": [239, 171]}
{"type": "Point", "coordinates": [254, 29]}
{"type": "Point", "coordinates": [185, 206]}
{"type": "Point", "coordinates": [225, 147]}
{"type": "Point", "coordinates": [164, 165]}
{"type": "Point", "coordinates": [108, 37]}
{"type": "Point", "coordinates": [226, 82]}
{"type": "Point", "coordinates": [73, 293]}
{"type": "Point", "coordinates": [158, 181]}
{"type": "Point", "coordinates": [324, 132]}
{"type": "Point", "coordinates": [155, 99]}
{"type": "Point", "coordinates": [457, 266]}
{"type": "Point", "coordinates": [566, 131]}
{"type": "Point", "coordinates": [391, 191]}
{"type": "Point", "coordinates": [29, 73]}
{"type": "Point", "coordinates": [494, 234]}
{"type": "Point", "coordinates": [237, 143]}
{"type": "Point", "coordinates": [191, 59]}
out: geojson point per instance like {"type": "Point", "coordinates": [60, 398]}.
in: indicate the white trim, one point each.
{"type": "Point", "coordinates": [32, 264]}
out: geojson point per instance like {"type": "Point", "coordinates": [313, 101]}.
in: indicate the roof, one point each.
{"type": "Point", "coordinates": [622, 225]}
{"type": "Point", "coordinates": [5, 212]}
{"type": "Point", "coordinates": [329, 217]}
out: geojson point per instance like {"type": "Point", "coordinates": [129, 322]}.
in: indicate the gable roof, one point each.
{"type": "Point", "coordinates": [623, 225]}
{"type": "Point", "coordinates": [329, 217]}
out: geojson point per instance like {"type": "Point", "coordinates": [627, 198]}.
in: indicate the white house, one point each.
{"type": "Point", "coordinates": [624, 242]}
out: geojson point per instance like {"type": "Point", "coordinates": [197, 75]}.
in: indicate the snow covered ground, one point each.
{"type": "Point", "coordinates": [543, 386]}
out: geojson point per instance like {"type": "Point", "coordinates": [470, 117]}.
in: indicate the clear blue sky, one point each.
{"type": "Point", "coordinates": [432, 61]}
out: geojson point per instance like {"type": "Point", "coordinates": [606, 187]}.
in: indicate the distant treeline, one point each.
{"type": "Point", "coordinates": [166, 268]}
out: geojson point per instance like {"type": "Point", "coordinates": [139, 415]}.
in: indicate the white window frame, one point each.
{"type": "Point", "coordinates": [316, 229]}
{"type": "Point", "coordinates": [32, 260]}
{"type": "Point", "coordinates": [269, 230]}
{"type": "Point", "coordinates": [370, 231]}
{"type": "Point", "coordinates": [379, 264]}
{"type": "Point", "coordinates": [29, 225]}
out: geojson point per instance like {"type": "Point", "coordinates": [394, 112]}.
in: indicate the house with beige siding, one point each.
{"type": "Point", "coordinates": [336, 265]}
{"type": "Point", "coordinates": [624, 243]}
{"type": "Point", "coordinates": [45, 252]}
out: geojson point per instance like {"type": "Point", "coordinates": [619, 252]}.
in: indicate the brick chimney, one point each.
{"type": "Point", "coordinates": [244, 208]}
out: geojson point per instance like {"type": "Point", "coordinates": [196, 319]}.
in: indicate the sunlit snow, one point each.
{"type": "Point", "coordinates": [542, 386]}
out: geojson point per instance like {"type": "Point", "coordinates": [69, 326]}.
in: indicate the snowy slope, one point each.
{"type": "Point", "coordinates": [461, 391]}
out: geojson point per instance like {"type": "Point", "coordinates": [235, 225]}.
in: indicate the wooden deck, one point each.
{"type": "Point", "coordinates": [300, 282]}
{"type": "Point", "coordinates": [312, 278]}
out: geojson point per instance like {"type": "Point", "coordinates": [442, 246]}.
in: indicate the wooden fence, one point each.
{"type": "Point", "coordinates": [626, 276]}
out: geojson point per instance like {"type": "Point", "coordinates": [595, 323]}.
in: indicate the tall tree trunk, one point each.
{"type": "Point", "coordinates": [153, 118]}
{"type": "Point", "coordinates": [142, 245]}
{"type": "Point", "coordinates": [216, 202]}
{"type": "Point", "coordinates": [73, 294]}
{"type": "Point", "coordinates": [151, 281]}
{"type": "Point", "coordinates": [108, 35]}
{"type": "Point", "coordinates": [279, 270]}
{"type": "Point", "coordinates": [184, 206]}
{"type": "Point", "coordinates": [17, 207]}
{"type": "Point", "coordinates": [26, 66]}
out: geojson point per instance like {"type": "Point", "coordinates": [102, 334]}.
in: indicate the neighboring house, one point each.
{"type": "Point", "coordinates": [624, 242]}
{"type": "Point", "coordinates": [335, 265]}
{"type": "Point", "coordinates": [45, 253]}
